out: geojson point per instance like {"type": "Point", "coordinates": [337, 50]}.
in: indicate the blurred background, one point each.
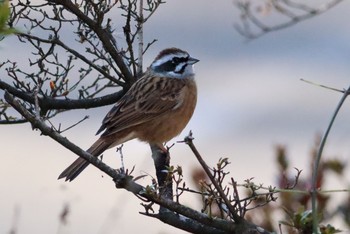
{"type": "Point", "coordinates": [251, 98]}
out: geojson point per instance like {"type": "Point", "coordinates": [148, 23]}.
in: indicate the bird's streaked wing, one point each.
{"type": "Point", "coordinates": [148, 98]}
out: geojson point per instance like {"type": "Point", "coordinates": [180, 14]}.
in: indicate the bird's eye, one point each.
{"type": "Point", "coordinates": [175, 60]}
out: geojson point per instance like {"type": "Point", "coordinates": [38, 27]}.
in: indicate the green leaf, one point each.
{"type": "Point", "coordinates": [4, 13]}
{"type": "Point", "coordinates": [8, 31]}
{"type": "Point", "coordinates": [4, 16]}
{"type": "Point", "coordinates": [329, 229]}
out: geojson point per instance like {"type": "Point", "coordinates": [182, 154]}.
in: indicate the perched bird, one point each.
{"type": "Point", "coordinates": [155, 109]}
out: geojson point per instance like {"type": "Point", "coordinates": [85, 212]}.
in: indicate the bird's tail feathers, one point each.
{"type": "Point", "coordinates": [71, 172]}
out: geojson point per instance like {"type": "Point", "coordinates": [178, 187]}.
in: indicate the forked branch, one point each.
{"type": "Point", "coordinates": [254, 15]}
{"type": "Point", "coordinates": [126, 181]}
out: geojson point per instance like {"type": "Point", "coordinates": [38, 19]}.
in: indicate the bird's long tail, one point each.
{"type": "Point", "coordinates": [71, 172]}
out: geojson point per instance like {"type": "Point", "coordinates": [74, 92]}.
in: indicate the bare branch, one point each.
{"type": "Point", "coordinates": [125, 181]}
{"type": "Point", "coordinates": [184, 223]}
{"type": "Point", "coordinates": [189, 141]}
{"type": "Point", "coordinates": [253, 12]}
{"type": "Point", "coordinates": [65, 104]}
{"type": "Point", "coordinates": [314, 189]}
{"type": "Point", "coordinates": [103, 34]}
{"type": "Point", "coordinates": [140, 39]}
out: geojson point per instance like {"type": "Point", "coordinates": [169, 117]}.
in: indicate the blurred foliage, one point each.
{"type": "Point", "coordinates": [297, 205]}
{"type": "Point", "coordinates": [4, 16]}
{"type": "Point", "coordinates": [290, 202]}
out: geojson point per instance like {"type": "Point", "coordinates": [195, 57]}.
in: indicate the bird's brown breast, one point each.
{"type": "Point", "coordinates": [171, 123]}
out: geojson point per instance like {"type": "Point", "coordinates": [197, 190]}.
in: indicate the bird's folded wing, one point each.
{"type": "Point", "coordinates": [147, 99]}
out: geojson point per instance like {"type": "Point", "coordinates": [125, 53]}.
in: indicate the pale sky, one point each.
{"type": "Point", "coordinates": [250, 99]}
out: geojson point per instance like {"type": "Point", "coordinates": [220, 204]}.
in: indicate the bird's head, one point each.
{"type": "Point", "coordinates": [173, 63]}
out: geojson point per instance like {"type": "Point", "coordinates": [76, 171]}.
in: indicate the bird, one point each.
{"type": "Point", "coordinates": [155, 109]}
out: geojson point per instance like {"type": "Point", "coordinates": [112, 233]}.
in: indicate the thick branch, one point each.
{"type": "Point", "coordinates": [48, 131]}
{"type": "Point", "coordinates": [184, 223]}
{"type": "Point", "coordinates": [161, 163]}
{"type": "Point", "coordinates": [49, 103]}
{"type": "Point", "coordinates": [125, 181]}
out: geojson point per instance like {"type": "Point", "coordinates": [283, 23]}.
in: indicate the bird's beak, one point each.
{"type": "Point", "coordinates": [192, 60]}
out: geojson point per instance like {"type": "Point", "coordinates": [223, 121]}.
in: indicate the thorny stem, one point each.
{"type": "Point", "coordinates": [314, 190]}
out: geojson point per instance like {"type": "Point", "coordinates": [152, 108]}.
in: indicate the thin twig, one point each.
{"type": "Point", "coordinates": [103, 35]}
{"type": "Point", "coordinates": [140, 39]}
{"type": "Point", "coordinates": [75, 124]}
{"type": "Point", "coordinates": [189, 141]}
{"type": "Point", "coordinates": [248, 17]}
{"type": "Point", "coordinates": [36, 100]}
{"type": "Point", "coordinates": [323, 86]}
{"type": "Point", "coordinates": [314, 190]}
{"type": "Point", "coordinates": [120, 150]}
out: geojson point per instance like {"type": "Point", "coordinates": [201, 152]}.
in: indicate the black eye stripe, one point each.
{"type": "Point", "coordinates": [172, 65]}
{"type": "Point", "coordinates": [179, 59]}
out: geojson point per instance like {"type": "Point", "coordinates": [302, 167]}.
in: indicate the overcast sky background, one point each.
{"type": "Point", "coordinates": [250, 99]}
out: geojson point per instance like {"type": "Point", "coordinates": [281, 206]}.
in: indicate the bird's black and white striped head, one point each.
{"type": "Point", "coordinates": [173, 63]}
